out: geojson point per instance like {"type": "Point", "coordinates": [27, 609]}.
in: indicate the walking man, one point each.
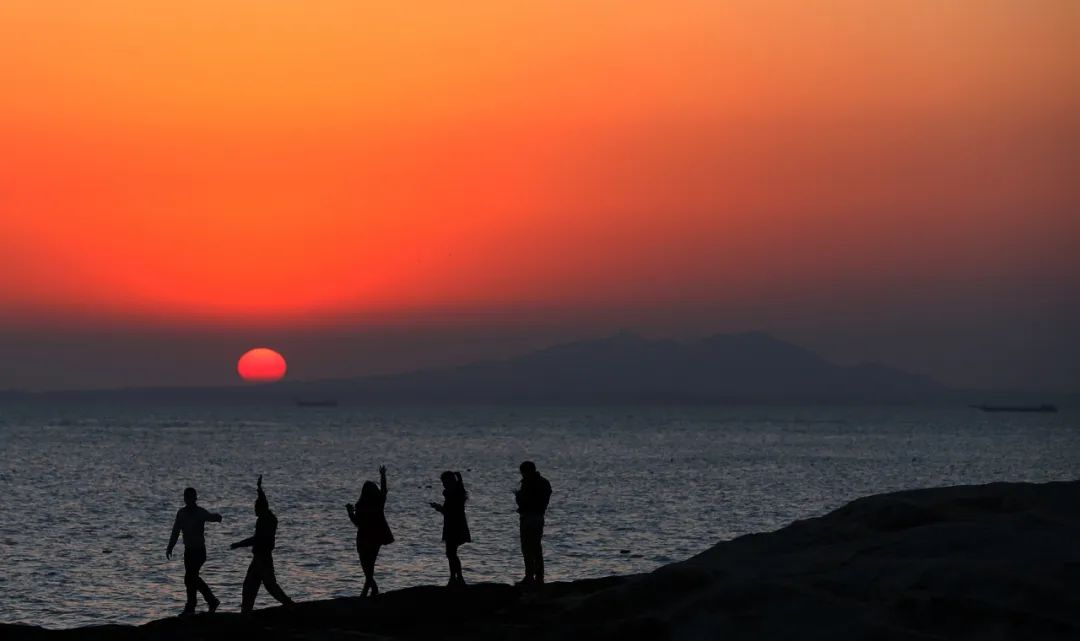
{"type": "Point", "coordinates": [190, 520]}
{"type": "Point", "coordinates": [261, 570]}
{"type": "Point", "coordinates": [532, 501]}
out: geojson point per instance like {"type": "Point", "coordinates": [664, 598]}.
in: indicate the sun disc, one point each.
{"type": "Point", "coordinates": [261, 365]}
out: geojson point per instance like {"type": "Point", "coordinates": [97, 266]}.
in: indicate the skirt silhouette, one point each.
{"type": "Point", "coordinates": [455, 529]}
{"type": "Point", "coordinates": [373, 530]}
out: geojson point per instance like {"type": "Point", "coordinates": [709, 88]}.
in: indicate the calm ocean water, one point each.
{"type": "Point", "coordinates": [88, 493]}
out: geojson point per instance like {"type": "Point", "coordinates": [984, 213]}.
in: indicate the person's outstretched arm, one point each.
{"type": "Point", "coordinates": [246, 543]}
{"type": "Point", "coordinates": [213, 517]}
{"type": "Point", "coordinates": [382, 479]}
{"type": "Point", "coordinates": [175, 535]}
{"type": "Point", "coordinates": [438, 508]}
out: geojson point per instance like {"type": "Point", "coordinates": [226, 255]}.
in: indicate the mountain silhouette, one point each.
{"type": "Point", "coordinates": [724, 368]}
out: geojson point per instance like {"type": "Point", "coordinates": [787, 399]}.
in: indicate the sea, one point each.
{"type": "Point", "coordinates": [88, 492]}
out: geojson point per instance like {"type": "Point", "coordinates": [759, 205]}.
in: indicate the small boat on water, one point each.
{"type": "Point", "coordinates": [1017, 408]}
{"type": "Point", "coordinates": [323, 402]}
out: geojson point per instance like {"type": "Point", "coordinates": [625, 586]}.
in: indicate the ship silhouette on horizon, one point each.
{"type": "Point", "coordinates": [1045, 407]}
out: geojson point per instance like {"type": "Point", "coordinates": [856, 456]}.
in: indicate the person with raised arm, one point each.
{"type": "Point", "coordinates": [261, 569]}
{"type": "Point", "coordinates": [455, 530]}
{"type": "Point", "coordinates": [190, 520]}
{"type": "Point", "coordinates": [372, 530]}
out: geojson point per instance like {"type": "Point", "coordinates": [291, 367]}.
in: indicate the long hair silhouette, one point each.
{"type": "Point", "coordinates": [371, 497]}
{"type": "Point", "coordinates": [453, 482]}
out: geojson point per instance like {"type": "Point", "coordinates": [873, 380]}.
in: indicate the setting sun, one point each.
{"type": "Point", "coordinates": [261, 365]}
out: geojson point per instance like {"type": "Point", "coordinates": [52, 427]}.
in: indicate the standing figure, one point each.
{"type": "Point", "coordinates": [261, 570]}
{"type": "Point", "coordinates": [372, 530]}
{"type": "Point", "coordinates": [532, 501]}
{"type": "Point", "coordinates": [190, 520]}
{"type": "Point", "coordinates": [455, 529]}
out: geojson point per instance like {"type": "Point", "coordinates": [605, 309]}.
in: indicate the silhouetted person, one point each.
{"type": "Point", "coordinates": [190, 520]}
{"type": "Point", "coordinates": [455, 529]}
{"type": "Point", "coordinates": [532, 501]}
{"type": "Point", "coordinates": [372, 530]}
{"type": "Point", "coordinates": [261, 570]}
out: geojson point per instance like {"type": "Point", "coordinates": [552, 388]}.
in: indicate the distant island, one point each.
{"type": "Point", "coordinates": [626, 368]}
{"type": "Point", "coordinates": [970, 562]}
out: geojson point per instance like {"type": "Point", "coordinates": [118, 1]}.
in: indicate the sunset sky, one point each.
{"type": "Point", "coordinates": [372, 186]}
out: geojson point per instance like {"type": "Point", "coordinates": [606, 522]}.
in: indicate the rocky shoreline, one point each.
{"type": "Point", "coordinates": [998, 561]}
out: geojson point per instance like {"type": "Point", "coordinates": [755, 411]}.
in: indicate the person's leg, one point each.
{"type": "Point", "coordinates": [269, 579]}
{"type": "Point", "coordinates": [367, 563]}
{"type": "Point", "coordinates": [524, 536]}
{"type": "Point", "coordinates": [537, 544]}
{"type": "Point", "coordinates": [455, 563]}
{"type": "Point", "coordinates": [538, 559]}
{"type": "Point", "coordinates": [450, 552]}
{"type": "Point", "coordinates": [191, 575]}
{"type": "Point", "coordinates": [529, 549]}
{"type": "Point", "coordinates": [251, 586]}
{"type": "Point", "coordinates": [374, 557]}
{"type": "Point", "coordinates": [362, 555]}
{"type": "Point", "coordinates": [201, 586]}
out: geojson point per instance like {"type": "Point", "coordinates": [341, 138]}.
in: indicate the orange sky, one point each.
{"type": "Point", "coordinates": [254, 161]}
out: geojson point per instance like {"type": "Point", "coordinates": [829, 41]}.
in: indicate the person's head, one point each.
{"type": "Point", "coordinates": [190, 496]}
{"type": "Point", "coordinates": [369, 494]}
{"type": "Point", "coordinates": [453, 484]}
{"type": "Point", "coordinates": [528, 468]}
